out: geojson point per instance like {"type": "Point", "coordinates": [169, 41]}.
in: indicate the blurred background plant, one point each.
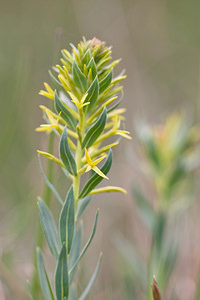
{"type": "Point", "coordinates": [159, 43]}
{"type": "Point", "coordinates": [170, 158]}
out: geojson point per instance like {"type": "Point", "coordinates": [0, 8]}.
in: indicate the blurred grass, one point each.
{"type": "Point", "coordinates": [159, 42]}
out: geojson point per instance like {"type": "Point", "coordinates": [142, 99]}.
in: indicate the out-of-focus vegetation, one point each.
{"type": "Point", "coordinates": [170, 158]}
{"type": "Point", "coordinates": [159, 42]}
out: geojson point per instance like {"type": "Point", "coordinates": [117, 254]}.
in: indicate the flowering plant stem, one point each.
{"type": "Point", "coordinates": [82, 119]}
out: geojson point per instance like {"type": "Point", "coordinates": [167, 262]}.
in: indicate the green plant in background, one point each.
{"type": "Point", "coordinates": [84, 117]}
{"type": "Point", "coordinates": [170, 157]}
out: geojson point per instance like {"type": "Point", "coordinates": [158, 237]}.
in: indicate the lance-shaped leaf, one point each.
{"type": "Point", "coordinates": [116, 104]}
{"type": "Point", "coordinates": [82, 204]}
{"type": "Point", "coordinates": [73, 292]}
{"type": "Point", "coordinates": [75, 250]}
{"type": "Point", "coordinates": [92, 94]}
{"type": "Point", "coordinates": [49, 228]}
{"type": "Point", "coordinates": [29, 291]}
{"type": "Point", "coordinates": [86, 57]}
{"type": "Point", "coordinates": [145, 210]}
{"type": "Point", "coordinates": [65, 113]}
{"type": "Point", "coordinates": [95, 130]}
{"type": "Point", "coordinates": [104, 83]}
{"type": "Point", "coordinates": [56, 83]}
{"type": "Point", "coordinates": [66, 155]}
{"type": "Point", "coordinates": [96, 179]}
{"type": "Point", "coordinates": [91, 282]}
{"type": "Point", "coordinates": [67, 220]}
{"type": "Point", "coordinates": [86, 245]}
{"type": "Point", "coordinates": [79, 77]}
{"type": "Point", "coordinates": [44, 280]}
{"type": "Point", "coordinates": [93, 67]}
{"type": "Point", "coordinates": [50, 185]}
{"type": "Point", "coordinates": [61, 277]}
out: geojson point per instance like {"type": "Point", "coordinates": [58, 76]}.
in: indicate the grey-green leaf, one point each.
{"type": "Point", "coordinates": [50, 185]}
{"type": "Point", "coordinates": [66, 155]}
{"type": "Point", "coordinates": [49, 228]}
{"type": "Point", "coordinates": [79, 77]}
{"type": "Point", "coordinates": [95, 130]}
{"type": "Point", "coordinates": [93, 67]}
{"type": "Point", "coordinates": [67, 220]}
{"type": "Point", "coordinates": [65, 113]}
{"type": "Point", "coordinates": [145, 210]}
{"type": "Point", "coordinates": [29, 291]}
{"type": "Point", "coordinates": [96, 179]}
{"type": "Point", "coordinates": [86, 57]}
{"type": "Point", "coordinates": [75, 250]}
{"type": "Point", "coordinates": [73, 292]}
{"type": "Point", "coordinates": [92, 94]}
{"type": "Point", "coordinates": [56, 83]}
{"type": "Point", "coordinates": [87, 244]}
{"type": "Point", "coordinates": [61, 277]}
{"type": "Point", "coordinates": [44, 280]}
{"type": "Point", "coordinates": [91, 282]}
{"type": "Point", "coordinates": [117, 103]}
{"type": "Point", "coordinates": [105, 82]}
{"type": "Point", "coordinates": [82, 204]}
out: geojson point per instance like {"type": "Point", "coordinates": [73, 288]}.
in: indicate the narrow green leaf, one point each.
{"type": "Point", "coordinates": [159, 230]}
{"type": "Point", "coordinates": [65, 113]}
{"type": "Point", "coordinates": [73, 292]}
{"type": "Point", "coordinates": [133, 259]}
{"type": "Point", "coordinates": [116, 104]}
{"type": "Point", "coordinates": [66, 155]}
{"type": "Point", "coordinates": [91, 282]}
{"type": "Point", "coordinates": [87, 244]}
{"type": "Point", "coordinates": [44, 280]}
{"type": "Point", "coordinates": [93, 67]}
{"type": "Point", "coordinates": [95, 130]}
{"type": "Point", "coordinates": [76, 245]}
{"type": "Point", "coordinates": [104, 83]}
{"type": "Point", "coordinates": [67, 220]}
{"type": "Point", "coordinates": [103, 54]}
{"type": "Point", "coordinates": [29, 291]}
{"type": "Point", "coordinates": [57, 84]}
{"type": "Point", "coordinates": [50, 185]}
{"type": "Point", "coordinates": [82, 204]}
{"type": "Point", "coordinates": [92, 94]}
{"type": "Point", "coordinates": [61, 277]}
{"type": "Point", "coordinates": [75, 250]}
{"type": "Point", "coordinates": [145, 210]}
{"type": "Point", "coordinates": [49, 228]}
{"type": "Point", "coordinates": [79, 77]}
{"type": "Point", "coordinates": [96, 179]}
{"type": "Point", "coordinates": [86, 57]}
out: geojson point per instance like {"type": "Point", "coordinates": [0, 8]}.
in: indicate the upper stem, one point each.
{"type": "Point", "coordinates": [78, 156]}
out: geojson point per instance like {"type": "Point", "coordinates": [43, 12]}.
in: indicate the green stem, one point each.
{"type": "Point", "coordinates": [40, 236]}
{"type": "Point", "coordinates": [156, 248]}
{"type": "Point", "coordinates": [78, 156]}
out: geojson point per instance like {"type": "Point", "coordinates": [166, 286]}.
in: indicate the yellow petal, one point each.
{"type": "Point", "coordinates": [123, 134]}
{"type": "Point", "coordinates": [95, 162]}
{"type": "Point", "coordinates": [95, 169]}
{"type": "Point", "coordinates": [48, 88]}
{"type": "Point", "coordinates": [46, 94]}
{"type": "Point", "coordinates": [88, 169]}
{"type": "Point", "coordinates": [44, 127]}
{"type": "Point", "coordinates": [88, 158]}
